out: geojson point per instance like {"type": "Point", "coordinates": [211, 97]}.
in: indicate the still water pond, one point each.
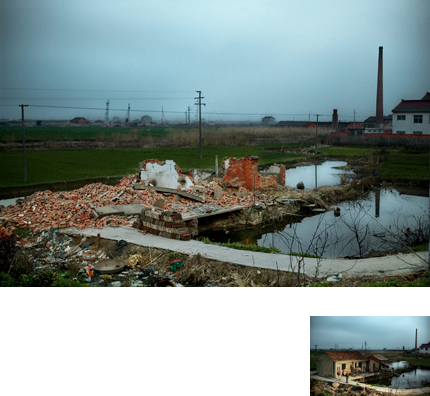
{"type": "Point", "coordinates": [411, 379]}
{"type": "Point", "coordinates": [374, 223]}
{"type": "Point", "coordinates": [327, 174]}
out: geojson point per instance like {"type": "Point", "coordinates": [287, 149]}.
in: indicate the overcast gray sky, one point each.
{"type": "Point", "coordinates": [248, 57]}
{"type": "Point", "coordinates": [378, 331]}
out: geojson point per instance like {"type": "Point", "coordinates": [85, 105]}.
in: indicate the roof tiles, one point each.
{"type": "Point", "coordinates": [345, 355]}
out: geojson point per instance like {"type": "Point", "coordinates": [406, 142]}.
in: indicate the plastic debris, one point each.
{"type": "Point", "coordinates": [334, 278]}
{"type": "Point", "coordinates": [175, 265]}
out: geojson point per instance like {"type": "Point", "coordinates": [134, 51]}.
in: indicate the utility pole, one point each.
{"type": "Point", "coordinates": [199, 103]}
{"type": "Point", "coordinates": [316, 136]}
{"type": "Point", "coordinates": [23, 140]}
{"type": "Point", "coordinates": [365, 348]}
{"type": "Point", "coordinates": [189, 117]}
{"type": "Point", "coordinates": [128, 115]}
{"type": "Point", "coordinates": [354, 118]}
{"type": "Point", "coordinates": [107, 111]}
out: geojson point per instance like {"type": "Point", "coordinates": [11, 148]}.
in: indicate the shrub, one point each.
{"type": "Point", "coordinates": [8, 251]}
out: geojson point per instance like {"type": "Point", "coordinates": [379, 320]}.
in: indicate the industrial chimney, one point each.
{"type": "Point", "coordinates": [379, 93]}
{"type": "Point", "coordinates": [416, 335]}
{"type": "Point", "coordinates": [334, 120]}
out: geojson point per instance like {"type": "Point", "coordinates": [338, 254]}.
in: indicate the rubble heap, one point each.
{"type": "Point", "coordinates": [45, 210]}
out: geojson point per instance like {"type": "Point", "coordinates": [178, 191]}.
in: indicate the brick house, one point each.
{"type": "Point", "coordinates": [337, 363]}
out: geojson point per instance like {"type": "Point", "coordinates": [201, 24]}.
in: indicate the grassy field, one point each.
{"type": "Point", "coordinates": [272, 145]}
{"type": "Point", "coordinates": [57, 166]}
{"type": "Point", "coordinates": [389, 164]}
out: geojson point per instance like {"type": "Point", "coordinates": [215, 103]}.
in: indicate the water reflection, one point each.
{"type": "Point", "coordinates": [363, 225]}
{"type": "Point", "coordinates": [411, 379]}
{"type": "Point", "coordinates": [326, 174]}
{"type": "Point", "coordinates": [371, 224]}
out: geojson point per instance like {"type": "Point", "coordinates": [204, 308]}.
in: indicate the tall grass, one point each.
{"type": "Point", "coordinates": [172, 136]}
{"type": "Point", "coordinates": [243, 136]}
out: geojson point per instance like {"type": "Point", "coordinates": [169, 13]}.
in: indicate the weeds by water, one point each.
{"type": "Point", "coordinates": [239, 246]}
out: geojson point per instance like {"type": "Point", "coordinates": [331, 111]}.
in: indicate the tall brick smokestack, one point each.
{"type": "Point", "coordinates": [379, 92]}
{"type": "Point", "coordinates": [334, 119]}
{"type": "Point", "coordinates": [416, 336]}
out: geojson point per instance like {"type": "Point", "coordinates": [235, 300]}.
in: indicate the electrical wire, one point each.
{"type": "Point", "coordinates": [84, 90]}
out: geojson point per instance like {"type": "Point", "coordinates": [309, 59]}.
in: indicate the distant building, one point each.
{"type": "Point", "coordinates": [425, 348]}
{"type": "Point", "coordinates": [297, 124]}
{"type": "Point", "coordinates": [79, 120]}
{"type": "Point", "coordinates": [371, 126]}
{"type": "Point", "coordinates": [412, 117]}
{"type": "Point", "coordinates": [337, 363]}
{"type": "Point", "coordinates": [377, 362]}
{"type": "Point", "coordinates": [268, 120]}
{"type": "Point", "coordinates": [146, 118]}
{"type": "Point", "coordinates": [355, 129]}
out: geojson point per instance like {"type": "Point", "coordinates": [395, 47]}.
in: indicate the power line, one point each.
{"type": "Point", "coordinates": [150, 111]}
{"type": "Point", "coordinates": [82, 90]}
{"type": "Point", "coordinates": [51, 98]}
{"type": "Point", "coordinates": [101, 109]}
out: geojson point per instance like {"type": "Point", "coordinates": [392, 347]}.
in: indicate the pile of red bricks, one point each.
{"type": "Point", "coordinates": [45, 210]}
{"type": "Point", "coordinates": [167, 224]}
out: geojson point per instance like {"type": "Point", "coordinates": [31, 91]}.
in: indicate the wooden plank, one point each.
{"type": "Point", "coordinates": [140, 186]}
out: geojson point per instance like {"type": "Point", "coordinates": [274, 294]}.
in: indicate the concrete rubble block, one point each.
{"type": "Point", "coordinates": [164, 174]}
{"type": "Point", "coordinates": [218, 193]}
{"type": "Point", "coordinates": [199, 175]}
{"type": "Point", "coordinates": [242, 194]}
{"type": "Point", "coordinates": [159, 203]}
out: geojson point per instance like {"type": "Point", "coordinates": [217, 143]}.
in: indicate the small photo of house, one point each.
{"type": "Point", "coordinates": [378, 352]}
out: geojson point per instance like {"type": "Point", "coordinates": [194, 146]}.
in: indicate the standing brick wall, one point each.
{"type": "Point", "coordinates": [243, 172]}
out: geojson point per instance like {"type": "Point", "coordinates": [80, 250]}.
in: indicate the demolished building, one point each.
{"type": "Point", "coordinates": [160, 199]}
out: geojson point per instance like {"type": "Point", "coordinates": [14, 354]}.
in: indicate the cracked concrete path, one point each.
{"type": "Point", "coordinates": [388, 265]}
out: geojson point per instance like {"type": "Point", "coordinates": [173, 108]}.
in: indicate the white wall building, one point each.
{"type": "Point", "coordinates": [425, 348]}
{"type": "Point", "coordinates": [412, 117]}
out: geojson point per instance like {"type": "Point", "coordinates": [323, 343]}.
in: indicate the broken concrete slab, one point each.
{"type": "Point", "coordinates": [218, 193]}
{"type": "Point", "coordinates": [119, 210]}
{"type": "Point", "coordinates": [195, 215]}
{"type": "Point", "coordinates": [159, 203]}
{"type": "Point", "coordinates": [141, 186]}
